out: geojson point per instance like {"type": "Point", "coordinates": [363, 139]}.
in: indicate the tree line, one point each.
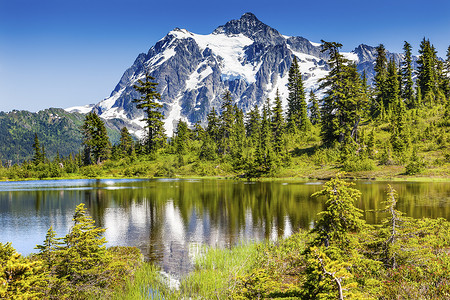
{"type": "Point", "coordinates": [363, 124]}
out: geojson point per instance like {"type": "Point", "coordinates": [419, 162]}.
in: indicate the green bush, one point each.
{"type": "Point", "coordinates": [358, 164]}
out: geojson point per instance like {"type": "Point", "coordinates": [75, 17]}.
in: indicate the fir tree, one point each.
{"type": "Point", "coordinates": [126, 144]}
{"type": "Point", "coordinates": [426, 76]}
{"type": "Point", "coordinates": [47, 250]}
{"type": "Point", "coordinates": [446, 87]}
{"type": "Point", "coordinates": [20, 277]}
{"type": "Point", "coordinates": [253, 126]}
{"type": "Point", "coordinates": [392, 96]}
{"type": "Point", "coordinates": [297, 110]}
{"type": "Point", "coordinates": [181, 138]}
{"type": "Point", "coordinates": [345, 100]}
{"type": "Point", "coordinates": [400, 133]}
{"type": "Point", "coordinates": [314, 109]}
{"type": "Point", "coordinates": [380, 79]}
{"type": "Point", "coordinates": [340, 217]}
{"type": "Point", "coordinates": [264, 150]}
{"type": "Point", "coordinates": [37, 157]}
{"type": "Point", "coordinates": [238, 137]}
{"type": "Point", "coordinates": [406, 77]}
{"type": "Point", "coordinates": [148, 102]}
{"type": "Point", "coordinates": [227, 119]}
{"type": "Point", "coordinates": [278, 128]}
{"type": "Point", "coordinates": [95, 139]}
{"type": "Point", "coordinates": [83, 254]}
{"type": "Point", "coordinates": [213, 127]}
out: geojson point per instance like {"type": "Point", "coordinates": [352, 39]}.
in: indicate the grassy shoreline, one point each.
{"type": "Point", "coordinates": [319, 177]}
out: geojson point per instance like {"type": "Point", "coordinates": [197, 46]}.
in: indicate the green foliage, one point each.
{"type": "Point", "coordinates": [345, 98]}
{"type": "Point", "coordinates": [95, 139]}
{"type": "Point", "coordinates": [156, 136]}
{"type": "Point", "coordinates": [415, 165]}
{"type": "Point", "coordinates": [20, 277]}
{"type": "Point", "coordinates": [297, 117]}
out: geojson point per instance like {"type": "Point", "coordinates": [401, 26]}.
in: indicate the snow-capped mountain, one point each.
{"type": "Point", "coordinates": [245, 56]}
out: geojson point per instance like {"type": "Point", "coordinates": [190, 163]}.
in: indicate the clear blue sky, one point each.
{"type": "Point", "coordinates": [62, 53]}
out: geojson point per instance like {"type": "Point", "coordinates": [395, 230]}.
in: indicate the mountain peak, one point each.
{"type": "Point", "coordinates": [250, 26]}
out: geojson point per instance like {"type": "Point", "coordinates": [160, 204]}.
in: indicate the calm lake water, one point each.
{"type": "Point", "coordinates": [170, 219]}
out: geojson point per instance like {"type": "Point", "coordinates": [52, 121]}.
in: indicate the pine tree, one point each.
{"type": "Point", "coordinates": [315, 109]}
{"type": "Point", "coordinates": [20, 277]}
{"type": "Point", "coordinates": [446, 87]}
{"type": "Point", "coordinates": [227, 119]}
{"type": "Point", "coordinates": [426, 76]}
{"type": "Point", "coordinates": [83, 254]}
{"type": "Point", "coordinates": [400, 133]}
{"type": "Point", "coordinates": [181, 138]}
{"type": "Point", "coordinates": [380, 79]}
{"type": "Point", "coordinates": [37, 157]}
{"type": "Point", "coordinates": [278, 128]}
{"type": "Point", "coordinates": [213, 127]}
{"type": "Point", "coordinates": [297, 110]}
{"type": "Point", "coordinates": [340, 218]}
{"type": "Point", "coordinates": [392, 96]}
{"type": "Point", "coordinates": [238, 137]}
{"type": "Point", "coordinates": [95, 139]}
{"type": "Point", "coordinates": [126, 144]}
{"type": "Point", "coordinates": [345, 100]}
{"type": "Point", "coordinates": [264, 150]}
{"type": "Point", "coordinates": [253, 126]}
{"type": "Point", "coordinates": [47, 250]}
{"type": "Point", "coordinates": [406, 78]}
{"type": "Point", "coordinates": [148, 102]}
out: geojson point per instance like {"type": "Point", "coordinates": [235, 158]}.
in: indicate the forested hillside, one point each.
{"type": "Point", "coordinates": [57, 130]}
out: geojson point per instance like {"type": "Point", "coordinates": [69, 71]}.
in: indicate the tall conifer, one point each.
{"type": "Point", "coordinates": [148, 102]}
{"type": "Point", "coordinates": [406, 78]}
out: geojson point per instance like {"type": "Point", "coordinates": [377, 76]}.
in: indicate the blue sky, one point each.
{"type": "Point", "coordinates": [62, 53]}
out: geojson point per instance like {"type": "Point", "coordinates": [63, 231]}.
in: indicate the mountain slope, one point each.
{"type": "Point", "coordinates": [57, 130]}
{"type": "Point", "coordinates": [245, 56]}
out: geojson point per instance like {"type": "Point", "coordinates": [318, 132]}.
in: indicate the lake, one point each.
{"type": "Point", "coordinates": [169, 220]}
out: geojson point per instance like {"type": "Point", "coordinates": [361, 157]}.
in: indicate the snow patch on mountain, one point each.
{"type": "Point", "coordinates": [80, 109]}
{"type": "Point", "coordinates": [198, 76]}
{"type": "Point", "coordinates": [229, 50]}
{"type": "Point", "coordinates": [108, 103]}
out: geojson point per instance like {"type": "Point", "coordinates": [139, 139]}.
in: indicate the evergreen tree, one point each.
{"type": "Point", "coordinates": [83, 254]}
{"type": "Point", "coordinates": [37, 157]}
{"type": "Point", "coordinates": [345, 100]}
{"type": "Point", "coordinates": [392, 96]}
{"type": "Point", "coordinates": [20, 277]}
{"type": "Point", "coordinates": [227, 119]}
{"type": "Point", "coordinates": [446, 87]}
{"type": "Point", "coordinates": [264, 150]}
{"type": "Point", "coordinates": [253, 126]}
{"type": "Point", "coordinates": [126, 144]}
{"type": "Point", "coordinates": [278, 128]}
{"type": "Point", "coordinates": [238, 137]}
{"type": "Point", "coordinates": [380, 80]}
{"type": "Point", "coordinates": [181, 138]}
{"type": "Point", "coordinates": [340, 218]}
{"type": "Point", "coordinates": [213, 128]}
{"type": "Point", "coordinates": [148, 102]}
{"type": "Point", "coordinates": [95, 139]}
{"type": "Point", "coordinates": [426, 76]}
{"type": "Point", "coordinates": [315, 109]}
{"type": "Point", "coordinates": [400, 133]}
{"type": "Point", "coordinates": [47, 250]}
{"type": "Point", "coordinates": [297, 110]}
{"type": "Point", "coordinates": [406, 77]}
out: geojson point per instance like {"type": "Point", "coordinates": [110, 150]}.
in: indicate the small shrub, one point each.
{"type": "Point", "coordinates": [358, 164]}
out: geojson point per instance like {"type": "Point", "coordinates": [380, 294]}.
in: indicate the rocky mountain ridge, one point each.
{"type": "Point", "coordinates": [245, 56]}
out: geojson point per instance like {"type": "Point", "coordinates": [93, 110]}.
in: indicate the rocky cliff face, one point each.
{"type": "Point", "coordinates": [245, 56]}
